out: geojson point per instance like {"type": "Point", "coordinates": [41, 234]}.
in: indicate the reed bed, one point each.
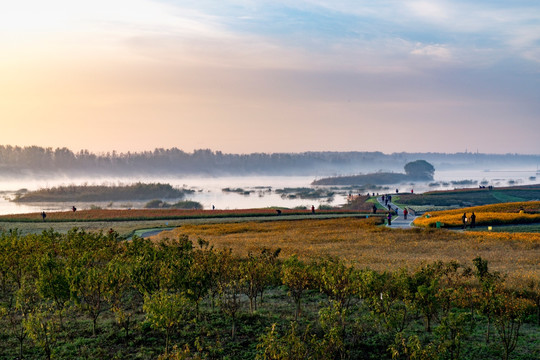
{"type": "Point", "coordinates": [362, 243]}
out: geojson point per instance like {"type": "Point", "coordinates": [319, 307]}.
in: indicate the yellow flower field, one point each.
{"type": "Point", "coordinates": [496, 214]}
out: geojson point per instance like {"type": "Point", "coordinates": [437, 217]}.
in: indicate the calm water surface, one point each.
{"type": "Point", "coordinates": [208, 190]}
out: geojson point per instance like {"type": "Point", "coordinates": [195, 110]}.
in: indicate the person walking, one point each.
{"type": "Point", "coordinates": [389, 218]}
{"type": "Point", "coordinates": [374, 209]}
{"type": "Point", "coordinates": [405, 212]}
{"type": "Point", "coordinates": [464, 220]}
{"type": "Point", "coordinates": [473, 220]}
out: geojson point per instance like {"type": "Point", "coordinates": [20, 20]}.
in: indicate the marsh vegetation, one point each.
{"type": "Point", "coordinates": [86, 193]}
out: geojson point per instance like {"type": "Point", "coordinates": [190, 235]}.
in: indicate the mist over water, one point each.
{"type": "Point", "coordinates": [208, 190]}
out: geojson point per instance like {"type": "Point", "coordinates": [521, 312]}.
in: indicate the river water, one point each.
{"type": "Point", "coordinates": [208, 190]}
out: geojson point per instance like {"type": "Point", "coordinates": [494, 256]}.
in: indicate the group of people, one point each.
{"type": "Point", "coordinates": [44, 215]}
{"type": "Point", "coordinates": [387, 199]}
{"type": "Point", "coordinates": [471, 221]}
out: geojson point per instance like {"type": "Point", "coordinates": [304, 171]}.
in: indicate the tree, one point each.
{"type": "Point", "coordinates": [490, 284]}
{"type": "Point", "coordinates": [166, 311]}
{"type": "Point", "coordinates": [201, 274]}
{"type": "Point", "coordinates": [508, 312]}
{"type": "Point", "coordinates": [257, 274]}
{"type": "Point", "coordinates": [389, 298]}
{"type": "Point", "coordinates": [290, 346]}
{"type": "Point", "coordinates": [297, 277]}
{"type": "Point", "coordinates": [332, 320]}
{"type": "Point", "coordinates": [452, 331]}
{"type": "Point", "coordinates": [411, 348]}
{"type": "Point", "coordinates": [88, 284]}
{"type": "Point", "coordinates": [53, 284]}
{"type": "Point", "coordinates": [41, 326]}
{"type": "Point", "coordinates": [120, 293]}
{"type": "Point", "coordinates": [230, 287]}
{"type": "Point", "coordinates": [337, 280]}
{"type": "Point", "coordinates": [420, 170]}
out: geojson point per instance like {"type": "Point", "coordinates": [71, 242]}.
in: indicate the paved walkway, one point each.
{"type": "Point", "coordinates": [398, 222]}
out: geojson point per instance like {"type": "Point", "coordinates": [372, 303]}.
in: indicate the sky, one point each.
{"type": "Point", "coordinates": [244, 76]}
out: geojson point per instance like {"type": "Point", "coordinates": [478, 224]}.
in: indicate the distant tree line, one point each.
{"type": "Point", "coordinates": [19, 161]}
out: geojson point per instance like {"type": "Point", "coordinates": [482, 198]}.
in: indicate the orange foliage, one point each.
{"type": "Point", "coordinates": [497, 214]}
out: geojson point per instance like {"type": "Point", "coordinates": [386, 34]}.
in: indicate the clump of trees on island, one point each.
{"type": "Point", "coordinates": [75, 193]}
{"type": "Point", "coordinates": [419, 170]}
{"type": "Point", "coordinates": [185, 204]}
{"type": "Point", "coordinates": [89, 295]}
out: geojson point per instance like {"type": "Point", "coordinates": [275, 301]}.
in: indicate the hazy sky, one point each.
{"type": "Point", "coordinates": [271, 76]}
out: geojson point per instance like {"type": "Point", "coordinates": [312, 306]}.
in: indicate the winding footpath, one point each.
{"type": "Point", "coordinates": [398, 222]}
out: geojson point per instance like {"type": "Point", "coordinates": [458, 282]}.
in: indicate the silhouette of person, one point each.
{"type": "Point", "coordinates": [43, 215]}
{"type": "Point", "coordinates": [312, 209]}
{"type": "Point", "coordinates": [473, 220]}
{"type": "Point", "coordinates": [405, 212]}
{"type": "Point", "coordinates": [389, 218]}
{"type": "Point", "coordinates": [74, 208]}
{"type": "Point", "coordinates": [464, 220]}
{"type": "Point", "coordinates": [374, 209]}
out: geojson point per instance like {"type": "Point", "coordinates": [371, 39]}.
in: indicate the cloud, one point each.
{"type": "Point", "coordinates": [436, 51]}
{"type": "Point", "coordinates": [324, 65]}
{"type": "Point", "coordinates": [432, 10]}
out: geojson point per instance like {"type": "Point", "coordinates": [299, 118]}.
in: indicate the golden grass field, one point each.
{"type": "Point", "coordinates": [496, 214]}
{"type": "Point", "coordinates": [362, 243]}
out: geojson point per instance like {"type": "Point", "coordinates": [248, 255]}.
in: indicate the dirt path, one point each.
{"type": "Point", "coordinates": [398, 222]}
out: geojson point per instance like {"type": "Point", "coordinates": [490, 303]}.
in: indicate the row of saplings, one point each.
{"type": "Point", "coordinates": [187, 301]}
